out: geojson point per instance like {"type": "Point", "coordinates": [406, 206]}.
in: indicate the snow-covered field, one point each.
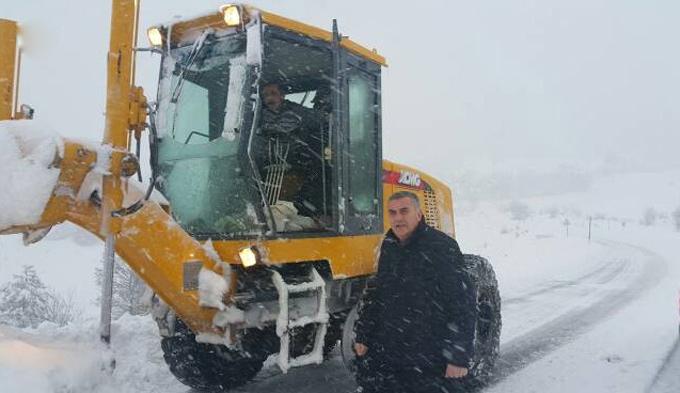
{"type": "Point", "coordinates": [579, 315]}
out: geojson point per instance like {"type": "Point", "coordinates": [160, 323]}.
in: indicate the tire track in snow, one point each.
{"type": "Point", "coordinates": [668, 378]}
{"type": "Point", "coordinates": [617, 267]}
{"type": "Point", "coordinates": [535, 344]}
{"type": "Point", "coordinates": [527, 312]}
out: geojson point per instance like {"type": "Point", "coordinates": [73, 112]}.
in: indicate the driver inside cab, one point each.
{"type": "Point", "coordinates": [291, 160]}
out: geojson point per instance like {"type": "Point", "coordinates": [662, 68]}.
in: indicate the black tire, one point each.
{"type": "Point", "coordinates": [488, 327]}
{"type": "Point", "coordinates": [348, 339]}
{"type": "Point", "coordinates": [334, 332]}
{"type": "Point", "coordinates": [207, 367]}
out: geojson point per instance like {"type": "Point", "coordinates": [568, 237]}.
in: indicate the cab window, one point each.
{"type": "Point", "coordinates": [363, 149]}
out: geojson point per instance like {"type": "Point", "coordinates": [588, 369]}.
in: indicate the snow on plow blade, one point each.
{"type": "Point", "coordinates": [29, 158]}
{"type": "Point", "coordinates": [46, 181]}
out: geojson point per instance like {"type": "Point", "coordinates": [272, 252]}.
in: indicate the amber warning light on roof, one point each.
{"type": "Point", "coordinates": [232, 15]}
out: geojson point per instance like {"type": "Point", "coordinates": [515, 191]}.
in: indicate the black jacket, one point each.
{"type": "Point", "coordinates": [420, 308]}
{"type": "Point", "coordinates": [298, 126]}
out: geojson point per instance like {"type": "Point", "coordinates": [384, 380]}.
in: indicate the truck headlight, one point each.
{"type": "Point", "coordinates": [248, 257]}
{"type": "Point", "coordinates": [155, 36]}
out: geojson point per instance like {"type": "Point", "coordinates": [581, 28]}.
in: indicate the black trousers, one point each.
{"type": "Point", "coordinates": [375, 374]}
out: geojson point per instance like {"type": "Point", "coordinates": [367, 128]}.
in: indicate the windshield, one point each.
{"type": "Point", "coordinates": [202, 100]}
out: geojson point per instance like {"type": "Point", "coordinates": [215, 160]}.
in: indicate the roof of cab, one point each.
{"type": "Point", "coordinates": [215, 20]}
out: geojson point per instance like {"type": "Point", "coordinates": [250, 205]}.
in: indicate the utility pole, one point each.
{"type": "Point", "coordinates": [590, 224]}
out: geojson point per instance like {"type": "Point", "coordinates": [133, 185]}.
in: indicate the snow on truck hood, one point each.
{"type": "Point", "coordinates": [27, 178]}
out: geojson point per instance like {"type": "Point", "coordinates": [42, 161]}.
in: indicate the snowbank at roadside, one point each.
{"type": "Point", "coordinates": [72, 359]}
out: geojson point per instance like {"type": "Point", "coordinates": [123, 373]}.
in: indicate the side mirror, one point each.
{"type": "Point", "coordinates": [25, 112]}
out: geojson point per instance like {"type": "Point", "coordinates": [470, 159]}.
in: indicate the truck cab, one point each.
{"type": "Point", "coordinates": [231, 167]}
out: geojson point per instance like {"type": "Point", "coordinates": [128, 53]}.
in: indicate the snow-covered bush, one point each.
{"type": "Point", "coordinates": [128, 291]}
{"type": "Point", "coordinates": [551, 212]}
{"type": "Point", "coordinates": [676, 218]}
{"type": "Point", "coordinates": [61, 310]}
{"type": "Point", "coordinates": [649, 217]}
{"type": "Point", "coordinates": [519, 211]}
{"type": "Point", "coordinates": [26, 302]}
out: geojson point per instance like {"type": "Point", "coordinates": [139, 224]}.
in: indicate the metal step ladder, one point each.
{"type": "Point", "coordinates": [317, 287]}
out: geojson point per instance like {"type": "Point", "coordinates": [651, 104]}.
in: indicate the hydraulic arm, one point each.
{"type": "Point", "coordinates": [150, 241]}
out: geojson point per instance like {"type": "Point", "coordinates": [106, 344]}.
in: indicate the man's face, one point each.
{"type": "Point", "coordinates": [404, 217]}
{"type": "Point", "coordinates": [273, 97]}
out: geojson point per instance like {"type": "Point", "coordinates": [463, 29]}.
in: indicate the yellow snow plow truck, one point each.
{"type": "Point", "coordinates": [270, 221]}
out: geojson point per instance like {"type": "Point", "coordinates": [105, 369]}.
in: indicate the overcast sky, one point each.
{"type": "Point", "coordinates": [468, 82]}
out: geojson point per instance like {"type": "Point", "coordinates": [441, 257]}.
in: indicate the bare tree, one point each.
{"type": "Point", "coordinates": [128, 291]}
{"type": "Point", "coordinates": [61, 309]}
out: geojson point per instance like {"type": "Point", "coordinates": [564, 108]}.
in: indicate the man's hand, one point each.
{"type": "Point", "coordinates": [360, 349]}
{"type": "Point", "coordinates": [455, 371]}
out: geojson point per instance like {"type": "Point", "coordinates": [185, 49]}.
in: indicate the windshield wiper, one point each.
{"type": "Point", "coordinates": [199, 44]}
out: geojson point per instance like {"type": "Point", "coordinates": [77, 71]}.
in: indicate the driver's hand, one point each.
{"type": "Point", "coordinates": [455, 371]}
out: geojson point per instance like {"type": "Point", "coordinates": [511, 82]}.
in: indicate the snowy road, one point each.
{"type": "Point", "coordinates": [605, 290]}
{"type": "Point", "coordinates": [668, 378]}
{"type": "Point", "coordinates": [625, 340]}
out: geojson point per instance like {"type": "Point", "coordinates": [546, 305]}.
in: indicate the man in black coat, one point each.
{"type": "Point", "coordinates": [417, 317]}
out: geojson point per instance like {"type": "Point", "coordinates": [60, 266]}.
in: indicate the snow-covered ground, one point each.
{"type": "Point", "coordinates": [579, 315]}
{"type": "Point", "coordinates": [609, 329]}
{"type": "Point", "coordinates": [72, 359]}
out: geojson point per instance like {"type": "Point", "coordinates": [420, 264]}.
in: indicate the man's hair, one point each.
{"type": "Point", "coordinates": [277, 84]}
{"type": "Point", "coordinates": [406, 194]}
